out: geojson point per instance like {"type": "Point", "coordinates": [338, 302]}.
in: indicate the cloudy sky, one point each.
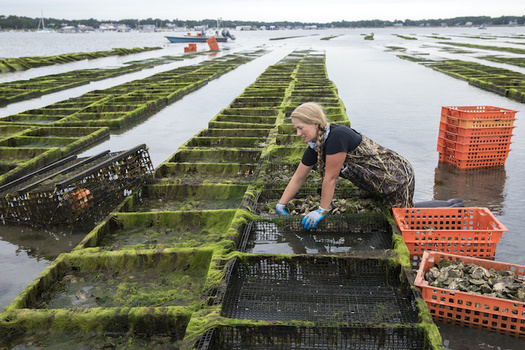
{"type": "Point", "coordinates": [320, 11]}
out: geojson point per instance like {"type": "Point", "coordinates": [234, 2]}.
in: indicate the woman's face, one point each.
{"type": "Point", "coordinates": [308, 132]}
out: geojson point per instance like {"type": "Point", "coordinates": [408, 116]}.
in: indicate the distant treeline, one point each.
{"type": "Point", "coordinates": [26, 23]}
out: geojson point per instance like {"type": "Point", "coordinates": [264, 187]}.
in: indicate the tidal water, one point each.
{"type": "Point", "coordinates": [395, 102]}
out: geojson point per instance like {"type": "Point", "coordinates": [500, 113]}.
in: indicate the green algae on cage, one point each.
{"type": "Point", "coordinates": [217, 155]}
{"type": "Point", "coordinates": [244, 119]}
{"type": "Point", "coordinates": [178, 197]}
{"type": "Point", "coordinates": [174, 229]}
{"type": "Point", "coordinates": [69, 139]}
{"type": "Point", "coordinates": [7, 130]}
{"type": "Point", "coordinates": [74, 340]}
{"type": "Point", "coordinates": [37, 142]}
{"type": "Point", "coordinates": [24, 160]}
{"type": "Point", "coordinates": [39, 61]}
{"type": "Point", "coordinates": [70, 328]}
{"type": "Point", "coordinates": [164, 88]}
{"type": "Point", "coordinates": [214, 124]}
{"type": "Point", "coordinates": [272, 92]}
{"type": "Point", "coordinates": [516, 61]}
{"type": "Point", "coordinates": [501, 81]}
{"type": "Point", "coordinates": [227, 133]}
{"type": "Point", "coordinates": [243, 142]}
{"type": "Point", "coordinates": [18, 155]}
{"type": "Point", "coordinates": [31, 119]}
{"type": "Point", "coordinates": [194, 173]}
{"type": "Point", "coordinates": [285, 154]}
{"type": "Point", "coordinates": [121, 279]}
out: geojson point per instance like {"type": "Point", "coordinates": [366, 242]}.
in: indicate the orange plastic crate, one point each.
{"type": "Point", "coordinates": [471, 310]}
{"type": "Point", "coordinates": [472, 147]}
{"type": "Point", "coordinates": [477, 123]}
{"type": "Point", "coordinates": [463, 226]}
{"type": "Point", "coordinates": [470, 160]}
{"type": "Point", "coordinates": [476, 131]}
{"type": "Point", "coordinates": [477, 140]}
{"type": "Point", "coordinates": [468, 164]}
{"type": "Point", "coordinates": [478, 112]}
{"type": "Point", "coordinates": [212, 43]}
{"type": "Point", "coordinates": [466, 246]}
{"type": "Point", "coordinates": [497, 152]}
{"type": "Point", "coordinates": [476, 250]}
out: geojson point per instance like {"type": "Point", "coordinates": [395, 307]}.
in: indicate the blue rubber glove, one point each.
{"type": "Point", "coordinates": [312, 219]}
{"type": "Point", "coordinates": [281, 209]}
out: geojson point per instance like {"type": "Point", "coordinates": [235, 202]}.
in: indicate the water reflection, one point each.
{"type": "Point", "coordinates": [463, 338]}
{"type": "Point", "coordinates": [477, 187]}
{"type": "Point", "coordinates": [42, 243]}
{"type": "Point", "coordinates": [25, 251]}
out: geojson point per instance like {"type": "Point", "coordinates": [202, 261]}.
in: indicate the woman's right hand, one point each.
{"type": "Point", "coordinates": [281, 209]}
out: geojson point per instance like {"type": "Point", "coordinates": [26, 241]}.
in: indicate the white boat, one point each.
{"type": "Point", "coordinates": [41, 27]}
{"type": "Point", "coordinates": [221, 35]}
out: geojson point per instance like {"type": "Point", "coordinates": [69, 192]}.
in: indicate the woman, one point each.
{"type": "Point", "coordinates": [341, 151]}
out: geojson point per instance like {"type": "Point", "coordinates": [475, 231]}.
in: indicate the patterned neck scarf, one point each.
{"type": "Point", "coordinates": [313, 144]}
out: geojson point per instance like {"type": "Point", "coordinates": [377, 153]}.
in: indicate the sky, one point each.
{"type": "Point", "coordinates": [318, 11]}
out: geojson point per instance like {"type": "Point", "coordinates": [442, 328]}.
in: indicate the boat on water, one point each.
{"type": "Point", "coordinates": [221, 35]}
{"type": "Point", "coordinates": [41, 27]}
{"type": "Point", "coordinates": [202, 37]}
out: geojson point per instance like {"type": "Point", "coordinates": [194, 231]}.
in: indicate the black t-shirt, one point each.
{"type": "Point", "coordinates": [340, 139]}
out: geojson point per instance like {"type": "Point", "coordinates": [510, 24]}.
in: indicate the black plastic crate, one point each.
{"type": "Point", "coordinates": [319, 289]}
{"type": "Point", "coordinates": [277, 337]}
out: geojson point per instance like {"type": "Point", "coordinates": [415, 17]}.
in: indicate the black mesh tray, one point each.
{"type": "Point", "coordinates": [336, 234]}
{"type": "Point", "coordinates": [277, 337]}
{"type": "Point", "coordinates": [319, 289]}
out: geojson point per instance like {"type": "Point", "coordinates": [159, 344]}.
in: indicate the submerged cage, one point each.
{"type": "Point", "coordinates": [72, 187]}
{"type": "Point", "coordinates": [355, 234]}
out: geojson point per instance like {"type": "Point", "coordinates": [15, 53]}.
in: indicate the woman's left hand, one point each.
{"type": "Point", "coordinates": [312, 219]}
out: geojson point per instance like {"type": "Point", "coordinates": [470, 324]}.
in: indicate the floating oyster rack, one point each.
{"type": "Point", "coordinates": [197, 219]}
{"type": "Point", "coordinates": [473, 232]}
{"type": "Point", "coordinates": [461, 129]}
{"type": "Point", "coordinates": [472, 310]}
{"type": "Point", "coordinates": [25, 148]}
{"type": "Point", "coordinates": [72, 187]}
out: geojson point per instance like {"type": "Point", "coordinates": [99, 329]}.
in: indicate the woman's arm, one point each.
{"type": "Point", "coordinates": [297, 180]}
{"type": "Point", "coordinates": [333, 165]}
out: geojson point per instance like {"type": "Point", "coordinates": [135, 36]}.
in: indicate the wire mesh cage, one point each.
{"type": "Point", "coordinates": [319, 289]}
{"type": "Point", "coordinates": [68, 189]}
{"type": "Point", "coordinates": [284, 337]}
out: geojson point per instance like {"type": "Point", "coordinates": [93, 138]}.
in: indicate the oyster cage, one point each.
{"type": "Point", "coordinates": [338, 234]}
{"type": "Point", "coordinates": [73, 187]}
{"type": "Point", "coordinates": [318, 289]}
{"type": "Point", "coordinates": [313, 338]}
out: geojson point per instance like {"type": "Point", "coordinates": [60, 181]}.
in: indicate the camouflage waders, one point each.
{"type": "Point", "coordinates": [377, 169]}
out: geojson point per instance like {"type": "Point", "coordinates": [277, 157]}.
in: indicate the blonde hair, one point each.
{"type": "Point", "coordinates": [313, 114]}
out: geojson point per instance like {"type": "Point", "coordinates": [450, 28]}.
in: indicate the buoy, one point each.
{"type": "Point", "coordinates": [80, 199]}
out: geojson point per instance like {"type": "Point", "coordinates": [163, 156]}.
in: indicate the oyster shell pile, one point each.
{"type": "Point", "coordinates": [476, 279]}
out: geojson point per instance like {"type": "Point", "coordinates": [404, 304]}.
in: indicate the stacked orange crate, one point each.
{"type": "Point", "coordinates": [475, 136]}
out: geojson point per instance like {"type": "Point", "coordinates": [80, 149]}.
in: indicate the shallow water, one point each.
{"type": "Point", "coordinates": [394, 102]}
